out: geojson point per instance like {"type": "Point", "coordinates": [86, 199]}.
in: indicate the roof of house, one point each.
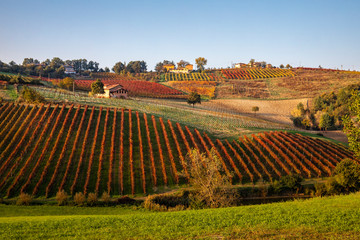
{"type": "Point", "coordinates": [112, 87]}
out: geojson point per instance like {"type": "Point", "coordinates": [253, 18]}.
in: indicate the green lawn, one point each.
{"type": "Point", "coordinates": [321, 218]}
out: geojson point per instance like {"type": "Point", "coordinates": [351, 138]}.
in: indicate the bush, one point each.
{"type": "Point", "coordinates": [79, 199]}
{"type": "Point", "coordinates": [126, 200]}
{"type": "Point", "coordinates": [31, 96]}
{"type": "Point", "coordinates": [320, 189]}
{"type": "Point", "coordinates": [106, 198]}
{"type": "Point", "coordinates": [333, 187]}
{"type": "Point", "coordinates": [92, 199]}
{"type": "Point", "coordinates": [24, 199]}
{"type": "Point", "coordinates": [61, 197]}
{"type": "Point", "coordinates": [287, 183]}
{"type": "Point", "coordinates": [347, 175]}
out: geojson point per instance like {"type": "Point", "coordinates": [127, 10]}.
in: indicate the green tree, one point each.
{"type": "Point", "coordinates": [107, 69]}
{"type": "Point", "coordinates": [194, 98]}
{"type": "Point", "coordinates": [326, 121]}
{"type": "Point", "coordinates": [351, 124]}
{"type": "Point", "coordinates": [118, 67]}
{"type": "Point", "coordinates": [159, 67]}
{"type": "Point", "coordinates": [97, 87]}
{"type": "Point", "coordinates": [288, 66]}
{"type": "Point", "coordinates": [255, 109]}
{"type": "Point", "coordinates": [347, 175]}
{"type": "Point", "coordinates": [200, 63]}
{"type": "Point", "coordinates": [281, 66]}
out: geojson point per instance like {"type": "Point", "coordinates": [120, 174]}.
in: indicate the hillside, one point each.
{"type": "Point", "coordinates": [318, 218]}
{"type": "Point", "coordinates": [265, 83]}
{"type": "Point", "coordinates": [87, 149]}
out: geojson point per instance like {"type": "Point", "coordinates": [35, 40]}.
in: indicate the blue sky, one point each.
{"type": "Point", "coordinates": [307, 33]}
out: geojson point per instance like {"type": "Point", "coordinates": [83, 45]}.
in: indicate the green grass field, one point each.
{"type": "Point", "coordinates": [321, 218]}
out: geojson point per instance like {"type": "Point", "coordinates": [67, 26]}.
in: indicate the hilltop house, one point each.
{"type": "Point", "coordinates": [114, 91]}
{"type": "Point", "coordinates": [240, 65]}
{"type": "Point", "coordinates": [169, 67]}
{"type": "Point", "coordinates": [69, 70]}
{"type": "Point", "coordinates": [188, 68]}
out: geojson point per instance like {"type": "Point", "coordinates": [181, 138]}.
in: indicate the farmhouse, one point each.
{"type": "Point", "coordinates": [188, 68]}
{"type": "Point", "coordinates": [240, 65]}
{"type": "Point", "coordinates": [69, 70]}
{"type": "Point", "coordinates": [114, 91]}
{"type": "Point", "coordinates": [169, 67]}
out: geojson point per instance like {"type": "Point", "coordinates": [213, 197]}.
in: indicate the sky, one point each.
{"type": "Point", "coordinates": [297, 32]}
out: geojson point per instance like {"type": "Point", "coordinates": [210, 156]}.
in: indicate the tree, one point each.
{"type": "Point", "coordinates": [208, 178]}
{"type": "Point", "coordinates": [288, 66]}
{"type": "Point", "coordinates": [159, 67]}
{"type": "Point", "coordinates": [200, 63]}
{"type": "Point", "coordinates": [118, 67]}
{"type": "Point", "coordinates": [56, 62]}
{"type": "Point", "coordinates": [351, 123]}
{"type": "Point", "coordinates": [97, 87]}
{"type": "Point", "coordinates": [347, 175]}
{"type": "Point", "coordinates": [28, 61]}
{"type": "Point", "coordinates": [194, 98]}
{"type": "Point", "coordinates": [183, 64]}
{"type": "Point", "coordinates": [326, 121]}
{"type": "Point", "coordinates": [107, 69]}
{"type": "Point", "coordinates": [136, 67]}
{"type": "Point", "coordinates": [67, 83]}
{"type": "Point", "coordinates": [252, 61]}
{"type": "Point", "coordinates": [255, 109]}
{"type": "Point", "coordinates": [281, 66]}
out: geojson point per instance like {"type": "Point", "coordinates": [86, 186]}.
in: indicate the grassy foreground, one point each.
{"type": "Point", "coordinates": [322, 218]}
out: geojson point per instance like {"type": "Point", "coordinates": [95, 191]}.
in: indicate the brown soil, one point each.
{"type": "Point", "coordinates": [273, 110]}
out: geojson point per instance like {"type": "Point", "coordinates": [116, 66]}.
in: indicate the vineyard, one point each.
{"type": "Point", "coordinates": [136, 88]}
{"type": "Point", "coordinates": [204, 88]}
{"type": "Point", "coordinates": [256, 73]}
{"type": "Point", "coordinates": [47, 148]}
{"type": "Point", "coordinates": [192, 77]}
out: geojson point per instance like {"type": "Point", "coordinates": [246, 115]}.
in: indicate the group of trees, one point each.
{"type": "Point", "coordinates": [54, 68]}
{"type": "Point", "coordinates": [327, 110]}
{"type": "Point", "coordinates": [131, 67]}
{"type": "Point", "coordinates": [200, 64]}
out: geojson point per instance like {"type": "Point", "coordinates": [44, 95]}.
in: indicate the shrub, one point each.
{"type": "Point", "coordinates": [31, 96]}
{"type": "Point", "coordinates": [126, 200]}
{"type": "Point", "coordinates": [347, 175]}
{"type": "Point", "coordinates": [92, 199]}
{"type": "Point", "coordinates": [61, 197]}
{"type": "Point", "coordinates": [320, 189]}
{"type": "Point", "coordinates": [151, 205]}
{"type": "Point", "coordinates": [106, 198]}
{"type": "Point", "coordinates": [287, 183]}
{"type": "Point", "coordinates": [79, 199]}
{"type": "Point", "coordinates": [24, 199]}
{"type": "Point", "coordinates": [333, 187]}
